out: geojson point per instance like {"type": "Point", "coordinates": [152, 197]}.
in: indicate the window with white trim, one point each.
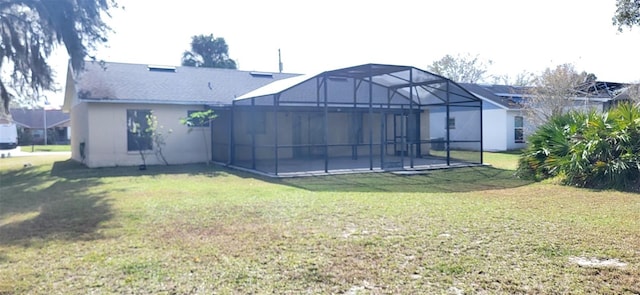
{"type": "Point", "coordinates": [518, 129]}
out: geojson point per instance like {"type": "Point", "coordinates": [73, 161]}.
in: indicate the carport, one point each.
{"type": "Point", "coordinates": [370, 117]}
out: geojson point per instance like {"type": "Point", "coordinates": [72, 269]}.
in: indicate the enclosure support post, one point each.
{"type": "Point", "coordinates": [231, 147]}
{"type": "Point", "coordinates": [446, 125]}
{"type": "Point", "coordinates": [326, 125]}
{"type": "Point", "coordinates": [383, 136]}
{"type": "Point", "coordinates": [417, 133]}
{"type": "Point", "coordinates": [253, 133]}
{"type": "Point", "coordinates": [481, 136]}
{"type": "Point", "coordinates": [356, 124]}
{"type": "Point", "coordinates": [403, 136]}
{"type": "Point", "coordinates": [409, 122]}
{"type": "Point", "coordinates": [370, 120]}
{"type": "Point", "coordinates": [276, 101]}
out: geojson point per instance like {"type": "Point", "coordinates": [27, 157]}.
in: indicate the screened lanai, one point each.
{"type": "Point", "coordinates": [369, 117]}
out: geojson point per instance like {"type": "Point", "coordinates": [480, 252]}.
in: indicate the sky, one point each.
{"type": "Point", "coordinates": [314, 36]}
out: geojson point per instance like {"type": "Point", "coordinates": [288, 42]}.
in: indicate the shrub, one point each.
{"type": "Point", "coordinates": [596, 150]}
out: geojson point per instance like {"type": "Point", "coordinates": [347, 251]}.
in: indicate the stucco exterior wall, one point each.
{"type": "Point", "coordinates": [106, 135]}
{"type": "Point", "coordinates": [494, 129]}
{"type": "Point", "coordinates": [80, 130]}
{"type": "Point", "coordinates": [467, 127]}
{"type": "Point", "coordinates": [497, 127]}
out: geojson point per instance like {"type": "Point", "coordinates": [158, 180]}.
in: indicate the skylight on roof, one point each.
{"type": "Point", "coordinates": [155, 68]}
{"type": "Point", "coordinates": [262, 74]}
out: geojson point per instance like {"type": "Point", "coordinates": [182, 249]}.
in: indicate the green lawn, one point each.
{"type": "Point", "coordinates": [197, 229]}
{"type": "Point", "coordinates": [45, 148]}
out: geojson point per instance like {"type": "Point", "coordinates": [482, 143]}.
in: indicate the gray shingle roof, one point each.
{"type": "Point", "coordinates": [122, 82]}
{"type": "Point", "coordinates": [499, 94]}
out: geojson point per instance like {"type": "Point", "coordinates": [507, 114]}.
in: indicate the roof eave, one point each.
{"type": "Point", "coordinates": [145, 101]}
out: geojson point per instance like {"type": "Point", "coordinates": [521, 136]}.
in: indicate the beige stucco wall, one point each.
{"type": "Point", "coordinates": [79, 130]}
{"type": "Point", "coordinates": [103, 128]}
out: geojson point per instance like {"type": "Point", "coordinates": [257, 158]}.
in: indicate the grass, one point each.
{"type": "Point", "coordinates": [197, 229]}
{"type": "Point", "coordinates": [45, 148]}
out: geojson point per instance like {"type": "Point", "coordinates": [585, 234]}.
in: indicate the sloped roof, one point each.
{"type": "Point", "coordinates": [359, 86]}
{"type": "Point", "coordinates": [123, 82]}
{"type": "Point", "coordinates": [501, 95]}
{"type": "Point", "coordinates": [600, 89]}
{"type": "Point", "coordinates": [510, 96]}
{"type": "Point", "coordinates": [34, 118]}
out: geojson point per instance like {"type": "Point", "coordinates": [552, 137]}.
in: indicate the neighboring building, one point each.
{"type": "Point", "coordinates": [505, 126]}
{"type": "Point", "coordinates": [33, 122]}
{"type": "Point", "coordinates": [369, 117]}
{"type": "Point", "coordinates": [502, 116]}
{"type": "Point", "coordinates": [599, 95]}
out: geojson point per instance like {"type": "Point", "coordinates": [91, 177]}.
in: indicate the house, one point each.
{"type": "Point", "coordinates": [31, 124]}
{"type": "Point", "coordinates": [367, 117]}
{"type": "Point", "coordinates": [505, 125]}
{"type": "Point", "coordinates": [107, 99]}
{"type": "Point", "coordinates": [600, 95]}
{"type": "Point", "coordinates": [503, 119]}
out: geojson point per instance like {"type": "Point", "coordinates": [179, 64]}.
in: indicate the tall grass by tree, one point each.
{"type": "Point", "coordinates": [595, 150]}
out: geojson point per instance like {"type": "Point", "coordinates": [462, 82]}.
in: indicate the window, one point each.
{"type": "Point", "coordinates": [196, 122]}
{"type": "Point", "coordinates": [138, 137]}
{"type": "Point", "coordinates": [519, 129]}
{"type": "Point", "coordinates": [451, 123]}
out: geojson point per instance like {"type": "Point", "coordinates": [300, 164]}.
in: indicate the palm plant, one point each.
{"type": "Point", "coordinates": [597, 150]}
{"type": "Point", "coordinates": [548, 148]}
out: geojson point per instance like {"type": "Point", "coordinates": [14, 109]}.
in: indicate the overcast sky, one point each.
{"type": "Point", "coordinates": [328, 34]}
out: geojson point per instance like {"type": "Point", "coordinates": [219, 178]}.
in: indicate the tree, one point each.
{"type": "Point", "coordinates": [147, 134]}
{"type": "Point", "coordinates": [627, 14]}
{"type": "Point", "coordinates": [523, 78]}
{"type": "Point", "coordinates": [633, 93]}
{"type": "Point", "coordinates": [157, 136]}
{"type": "Point", "coordinates": [140, 136]}
{"type": "Point", "coordinates": [462, 69]}
{"type": "Point", "coordinates": [29, 32]}
{"type": "Point", "coordinates": [200, 119]}
{"type": "Point", "coordinates": [553, 93]}
{"type": "Point", "coordinates": [208, 52]}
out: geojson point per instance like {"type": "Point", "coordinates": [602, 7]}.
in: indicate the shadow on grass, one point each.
{"type": "Point", "coordinates": [435, 181]}
{"type": "Point", "coordinates": [35, 208]}
{"type": "Point", "coordinates": [443, 180]}
{"type": "Point", "coordinates": [71, 169]}
{"type": "Point", "coordinates": [42, 204]}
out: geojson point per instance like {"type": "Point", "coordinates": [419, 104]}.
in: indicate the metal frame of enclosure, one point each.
{"type": "Point", "coordinates": [361, 118]}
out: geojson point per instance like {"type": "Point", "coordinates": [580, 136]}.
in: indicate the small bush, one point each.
{"type": "Point", "coordinates": [595, 150]}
